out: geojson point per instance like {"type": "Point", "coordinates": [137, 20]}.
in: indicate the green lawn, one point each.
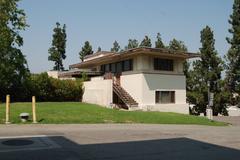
{"type": "Point", "coordinates": [75, 112]}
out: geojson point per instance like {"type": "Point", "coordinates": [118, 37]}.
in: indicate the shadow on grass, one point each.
{"type": "Point", "coordinates": [176, 148]}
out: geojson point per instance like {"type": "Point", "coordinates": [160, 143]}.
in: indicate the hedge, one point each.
{"type": "Point", "coordinates": [46, 88]}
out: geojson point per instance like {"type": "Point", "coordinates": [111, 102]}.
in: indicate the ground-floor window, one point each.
{"type": "Point", "coordinates": [165, 96]}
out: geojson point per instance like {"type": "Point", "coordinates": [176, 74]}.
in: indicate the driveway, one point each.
{"type": "Point", "coordinates": [118, 141]}
{"type": "Point", "coordinates": [234, 120]}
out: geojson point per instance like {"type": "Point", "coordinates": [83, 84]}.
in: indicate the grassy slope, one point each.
{"type": "Point", "coordinates": [75, 112]}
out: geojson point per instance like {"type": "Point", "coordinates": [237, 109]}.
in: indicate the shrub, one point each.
{"type": "Point", "coordinates": [49, 89]}
{"type": "Point", "coordinates": [45, 89]}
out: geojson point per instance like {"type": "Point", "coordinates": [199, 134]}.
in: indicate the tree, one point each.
{"type": "Point", "coordinates": [207, 70]}
{"type": "Point", "coordinates": [177, 45]}
{"type": "Point", "coordinates": [86, 50]}
{"type": "Point", "coordinates": [132, 43]}
{"type": "Point", "coordinates": [116, 47]}
{"type": "Point", "coordinates": [146, 42]}
{"type": "Point", "coordinates": [233, 55]}
{"type": "Point", "coordinates": [99, 49]}
{"type": "Point", "coordinates": [159, 43]}
{"type": "Point", "coordinates": [58, 49]}
{"type": "Point", "coordinates": [180, 46]}
{"type": "Point", "coordinates": [14, 71]}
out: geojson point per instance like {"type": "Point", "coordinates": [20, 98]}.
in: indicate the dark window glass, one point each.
{"type": "Point", "coordinates": [127, 65]}
{"type": "Point", "coordinates": [110, 67]}
{"type": "Point", "coordinates": [107, 68]}
{"type": "Point", "coordinates": [165, 97]}
{"type": "Point", "coordinates": [102, 68]}
{"type": "Point", "coordinates": [113, 67]}
{"type": "Point", "coordinates": [163, 64]}
{"type": "Point", "coordinates": [119, 67]}
{"type": "Point", "coordinates": [157, 97]}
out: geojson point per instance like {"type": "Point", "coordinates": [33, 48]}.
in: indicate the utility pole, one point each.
{"type": "Point", "coordinates": [210, 102]}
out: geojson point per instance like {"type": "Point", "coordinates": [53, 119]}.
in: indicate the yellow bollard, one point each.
{"type": "Point", "coordinates": [7, 109]}
{"type": "Point", "coordinates": [34, 109]}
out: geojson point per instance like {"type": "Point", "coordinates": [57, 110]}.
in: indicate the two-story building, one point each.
{"type": "Point", "coordinates": [140, 78]}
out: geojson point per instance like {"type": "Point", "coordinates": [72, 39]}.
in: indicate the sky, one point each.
{"type": "Point", "coordinates": [103, 21]}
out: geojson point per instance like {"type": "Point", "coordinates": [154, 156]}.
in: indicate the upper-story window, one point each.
{"type": "Point", "coordinates": [107, 68]}
{"type": "Point", "coordinates": [163, 64]}
{"type": "Point", "coordinates": [113, 67]}
{"type": "Point", "coordinates": [118, 67]}
{"type": "Point", "coordinates": [127, 65]}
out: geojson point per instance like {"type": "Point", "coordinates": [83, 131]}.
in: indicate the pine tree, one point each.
{"type": "Point", "coordinates": [132, 43]}
{"type": "Point", "coordinates": [14, 72]}
{"type": "Point", "coordinates": [58, 49]}
{"type": "Point", "coordinates": [116, 47]}
{"type": "Point", "coordinates": [146, 42]}
{"type": "Point", "coordinates": [208, 69]}
{"type": "Point", "coordinates": [233, 55]}
{"type": "Point", "coordinates": [177, 45]}
{"type": "Point", "coordinates": [211, 62]}
{"type": "Point", "coordinates": [159, 43]}
{"type": "Point", "coordinates": [86, 50]}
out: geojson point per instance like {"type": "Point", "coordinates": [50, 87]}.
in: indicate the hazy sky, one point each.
{"type": "Point", "coordinates": [103, 21]}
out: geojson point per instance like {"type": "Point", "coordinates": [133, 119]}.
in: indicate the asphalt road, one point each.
{"type": "Point", "coordinates": [120, 141]}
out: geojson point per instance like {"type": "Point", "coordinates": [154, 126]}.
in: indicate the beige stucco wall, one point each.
{"type": "Point", "coordinates": [142, 88]}
{"type": "Point", "coordinates": [98, 91]}
{"type": "Point", "coordinates": [153, 82]}
{"type": "Point", "coordinates": [53, 74]}
{"type": "Point", "coordinates": [133, 85]}
{"type": "Point", "coordinates": [178, 108]}
{"type": "Point", "coordinates": [145, 63]}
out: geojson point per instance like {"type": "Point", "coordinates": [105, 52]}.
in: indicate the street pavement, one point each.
{"type": "Point", "coordinates": [120, 141]}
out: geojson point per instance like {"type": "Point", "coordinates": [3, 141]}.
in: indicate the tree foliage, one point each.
{"type": "Point", "coordinates": [49, 89]}
{"type": "Point", "coordinates": [58, 48]}
{"type": "Point", "coordinates": [177, 45]}
{"type": "Point", "coordinates": [159, 43]}
{"type": "Point", "coordinates": [86, 50]}
{"type": "Point", "coordinates": [13, 67]}
{"type": "Point", "coordinates": [132, 43]}
{"type": "Point", "coordinates": [233, 55]}
{"type": "Point", "coordinates": [116, 47]}
{"type": "Point", "coordinates": [207, 70]}
{"type": "Point", "coordinates": [146, 42]}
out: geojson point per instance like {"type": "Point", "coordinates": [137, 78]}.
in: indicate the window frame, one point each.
{"type": "Point", "coordinates": [129, 68]}
{"type": "Point", "coordinates": [158, 98]}
{"type": "Point", "coordinates": [117, 67]}
{"type": "Point", "coordinates": [163, 64]}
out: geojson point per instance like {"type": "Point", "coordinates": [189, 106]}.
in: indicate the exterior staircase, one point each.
{"type": "Point", "coordinates": [124, 96]}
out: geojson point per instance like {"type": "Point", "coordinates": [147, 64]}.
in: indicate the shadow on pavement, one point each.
{"type": "Point", "coordinates": [176, 148]}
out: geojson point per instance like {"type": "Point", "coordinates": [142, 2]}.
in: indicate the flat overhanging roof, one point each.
{"type": "Point", "coordinates": [76, 72]}
{"type": "Point", "coordinates": [112, 56]}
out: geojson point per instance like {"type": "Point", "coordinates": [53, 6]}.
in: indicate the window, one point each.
{"type": "Point", "coordinates": [163, 64]}
{"type": "Point", "coordinates": [103, 68]}
{"type": "Point", "coordinates": [117, 67]}
{"type": "Point", "coordinates": [113, 67]}
{"type": "Point", "coordinates": [165, 97]}
{"type": "Point", "coordinates": [127, 65]}
{"type": "Point", "coordinates": [107, 68]}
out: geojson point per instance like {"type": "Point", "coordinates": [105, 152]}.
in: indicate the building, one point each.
{"type": "Point", "coordinates": [149, 79]}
